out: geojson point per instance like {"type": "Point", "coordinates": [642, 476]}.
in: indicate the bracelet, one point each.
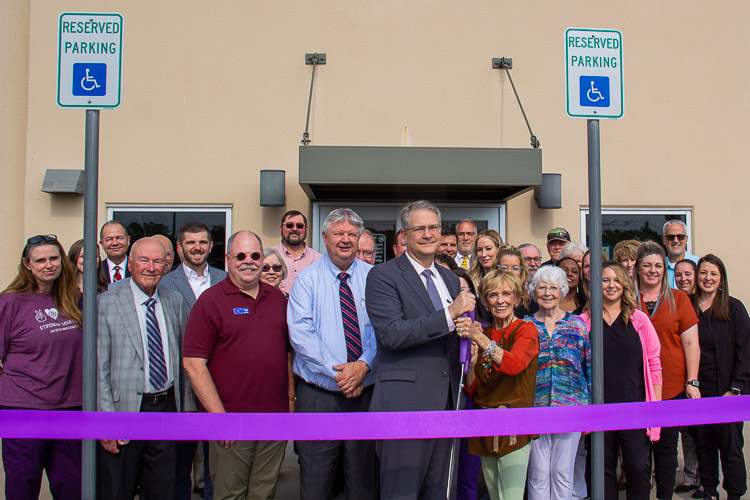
{"type": "Point", "coordinates": [489, 351]}
{"type": "Point", "coordinates": [292, 398]}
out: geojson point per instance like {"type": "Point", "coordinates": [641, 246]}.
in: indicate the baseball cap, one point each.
{"type": "Point", "coordinates": [558, 233]}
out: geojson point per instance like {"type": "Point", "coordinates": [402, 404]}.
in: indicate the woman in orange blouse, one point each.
{"type": "Point", "coordinates": [502, 374]}
{"type": "Point", "coordinates": [676, 324]}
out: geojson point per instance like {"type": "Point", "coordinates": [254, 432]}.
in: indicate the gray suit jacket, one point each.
{"type": "Point", "coordinates": [120, 378]}
{"type": "Point", "coordinates": [417, 359]}
{"type": "Point", "coordinates": [177, 281]}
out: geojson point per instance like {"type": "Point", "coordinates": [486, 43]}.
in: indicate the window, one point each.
{"type": "Point", "coordinates": [148, 220]}
{"type": "Point", "coordinates": [634, 223]}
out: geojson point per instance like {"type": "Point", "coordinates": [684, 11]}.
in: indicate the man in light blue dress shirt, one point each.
{"type": "Point", "coordinates": [334, 345]}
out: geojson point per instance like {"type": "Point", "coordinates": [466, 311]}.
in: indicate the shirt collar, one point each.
{"type": "Point", "coordinates": [335, 271]}
{"type": "Point", "coordinates": [286, 250]}
{"type": "Point", "coordinates": [230, 288]}
{"type": "Point", "coordinates": [192, 274]}
{"type": "Point", "coordinates": [419, 268]}
{"type": "Point", "coordinates": [123, 265]}
{"type": "Point", "coordinates": [140, 296]}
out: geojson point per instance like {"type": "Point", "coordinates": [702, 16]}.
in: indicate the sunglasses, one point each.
{"type": "Point", "coordinates": [42, 238]}
{"type": "Point", "coordinates": [292, 225]}
{"type": "Point", "coordinates": [276, 268]}
{"type": "Point", "coordinates": [680, 237]}
{"type": "Point", "coordinates": [242, 256]}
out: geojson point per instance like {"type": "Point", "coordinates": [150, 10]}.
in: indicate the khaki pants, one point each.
{"type": "Point", "coordinates": [246, 470]}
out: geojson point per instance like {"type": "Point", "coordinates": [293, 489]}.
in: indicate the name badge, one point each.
{"type": "Point", "coordinates": [241, 310]}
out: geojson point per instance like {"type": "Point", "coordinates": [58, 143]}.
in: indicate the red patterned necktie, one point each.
{"type": "Point", "coordinates": [117, 276]}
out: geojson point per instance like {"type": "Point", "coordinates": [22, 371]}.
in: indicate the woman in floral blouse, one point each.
{"type": "Point", "coordinates": [563, 378]}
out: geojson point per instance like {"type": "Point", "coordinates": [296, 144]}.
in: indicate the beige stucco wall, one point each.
{"type": "Point", "coordinates": [214, 92]}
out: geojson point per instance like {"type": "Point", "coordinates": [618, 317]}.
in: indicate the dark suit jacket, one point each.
{"type": "Point", "coordinates": [177, 281]}
{"type": "Point", "coordinates": [417, 359]}
{"type": "Point", "coordinates": [105, 268]}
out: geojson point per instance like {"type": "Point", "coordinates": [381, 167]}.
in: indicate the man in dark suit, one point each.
{"type": "Point", "coordinates": [139, 368]}
{"type": "Point", "coordinates": [115, 241]}
{"type": "Point", "coordinates": [412, 305]}
{"type": "Point", "coordinates": [191, 279]}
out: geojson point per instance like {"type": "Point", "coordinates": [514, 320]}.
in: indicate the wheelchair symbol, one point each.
{"type": "Point", "coordinates": [590, 93]}
{"type": "Point", "coordinates": [594, 91]}
{"type": "Point", "coordinates": [93, 85]}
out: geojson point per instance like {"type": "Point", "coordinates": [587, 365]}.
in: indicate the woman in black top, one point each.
{"type": "Point", "coordinates": [724, 370]}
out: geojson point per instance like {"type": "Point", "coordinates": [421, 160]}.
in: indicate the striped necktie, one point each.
{"type": "Point", "coordinates": [117, 276]}
{"type": "Point", "coordinates": [349, 317]}
{"type": "Point", "coordinates": [157, 372]}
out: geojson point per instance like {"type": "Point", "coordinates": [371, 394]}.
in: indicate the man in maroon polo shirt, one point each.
{"type": "Point", "coordinates": [235, 351]}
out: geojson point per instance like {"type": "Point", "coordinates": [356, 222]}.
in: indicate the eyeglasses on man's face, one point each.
{"type": "Point", "coordinates": [242, 256]}
{"type": "Point", "coordinates": [425, 229]}
{"type": "Point", "coordinates": [292, 225]}
{"type": "Point", "coordinates": [670, 237]}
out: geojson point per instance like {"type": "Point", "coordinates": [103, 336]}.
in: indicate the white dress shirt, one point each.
{"type": "Point", "coordinates": [199, 284]}
{"type": "Point", "coordinates": [140, 297]}
{"type": "Point", "coordinates": [445, 296]}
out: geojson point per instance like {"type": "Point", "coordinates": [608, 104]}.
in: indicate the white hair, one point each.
{"type": "Point", "coordinates": [572, 247]}
{"type": "Point", "coordinates": [344, 215]}
{"type": "Point", "coordinates": [673, 221]}
{"type": "Point", "coordinates": [552, 275]}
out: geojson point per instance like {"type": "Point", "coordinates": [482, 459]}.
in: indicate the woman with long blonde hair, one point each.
{"type": "Point", "coordinates": [484, 254]}
{"type": "Point", "coordinates": [632, 373]}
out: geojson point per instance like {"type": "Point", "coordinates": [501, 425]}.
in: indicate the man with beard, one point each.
{"type": "Point", "coordinates": [190, 280]}
{"type": "Point", "coordinates": [335, 347]}
{"type": "Point", "coordinates": [293, 249]}
{"type": "Point", "coordinates": [467, 233]}
{"type": "Point", "coordinates": [674, 237]}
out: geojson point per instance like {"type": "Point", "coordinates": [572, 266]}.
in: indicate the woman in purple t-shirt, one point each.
{"type": "Point", "coordinates": [40, 351]}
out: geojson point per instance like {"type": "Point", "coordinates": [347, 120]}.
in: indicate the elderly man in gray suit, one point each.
{"type": "Point", "coordinates": [191, 279]}
{"type": "Point", "coordinates": [412, 304]}
{"type": "Point", "coordinates": [139, 368]}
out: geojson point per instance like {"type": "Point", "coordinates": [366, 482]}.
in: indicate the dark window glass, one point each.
{"type": "Point", "coordinates": [147, 223]}
{"type": "Point", "coordinates": [636, 226]}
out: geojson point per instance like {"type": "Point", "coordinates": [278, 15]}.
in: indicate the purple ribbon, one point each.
{"type": "Point", "coordinates": [395, 425]}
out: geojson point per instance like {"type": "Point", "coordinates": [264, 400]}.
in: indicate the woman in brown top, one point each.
{"type": "Point", "coordinates": [502, 374]}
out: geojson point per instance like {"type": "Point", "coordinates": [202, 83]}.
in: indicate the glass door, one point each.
{"type": "Point", "coordinates": [383, 221]}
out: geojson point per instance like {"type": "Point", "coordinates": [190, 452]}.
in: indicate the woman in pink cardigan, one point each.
{"type": "Point", "coordinates": [632, 373]}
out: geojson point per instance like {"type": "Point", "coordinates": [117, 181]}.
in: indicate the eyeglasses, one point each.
{"type": "Point", "coordinates": [424, 229]}
{"type": "Point", "coordinates": [366, 253]}
{"type": "Point", "coordinates": [680, 237]}
{"type": "Point", "coordinates": [550, 289]}
{"type": "Point", "coordinates": [242, 256]}
{"type": "Point", "coordinates": [509, 268]}
{"type": "Point", "coordinates": [533, 259]}
{"type": "Point", "coordinates": [467, 234]}
{"type": "Point", "coordinates": [292, 225]}
{"type": "Point", "coordinates": [276, 267]}
{"type": "Point", "coordinates": [42, 238]}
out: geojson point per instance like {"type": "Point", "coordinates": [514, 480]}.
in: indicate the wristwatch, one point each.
{"type": "Point", "coordinates": [735, 391]}
{"type": "Point", "coordinates": [694, 383]}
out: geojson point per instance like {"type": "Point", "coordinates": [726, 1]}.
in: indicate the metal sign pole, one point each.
{"type": "Point", "coordinates": [90, 250]}
{"type": "Point", "coordinates": [595, 244]}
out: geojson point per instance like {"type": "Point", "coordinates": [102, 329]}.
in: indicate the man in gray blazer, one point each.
{"type": "Point", "coordinates": [139, 368]}
{"type": "Point", "coordinates": [194, 276]}
{"type": "Point", "coordinates": [412, 305]}
{"type": "Point", "coordinates": [191, 279]}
